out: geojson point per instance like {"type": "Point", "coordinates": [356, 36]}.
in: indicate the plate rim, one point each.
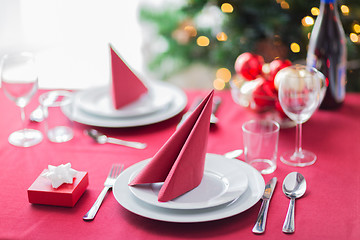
{"type": "Point", "coordinates": [255, 190]}
{"type": "Point", "coordinates": [155, 87]}
{"type": "Point", "coordinates": [209, 166]}
{"type": "Point", "coordinates": [177, 105]}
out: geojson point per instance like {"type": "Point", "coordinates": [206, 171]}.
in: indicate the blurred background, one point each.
{"type": "Point", "coordinates": [192, 43]}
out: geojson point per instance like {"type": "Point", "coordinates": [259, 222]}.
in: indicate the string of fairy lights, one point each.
{"type": "Point", "coordinates": [223, 75]}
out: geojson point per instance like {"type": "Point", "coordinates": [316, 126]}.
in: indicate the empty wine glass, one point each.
{"type": "Point", "coordinates": [301, 90]}
{"type": "Point", "coordinates": [19, 82]}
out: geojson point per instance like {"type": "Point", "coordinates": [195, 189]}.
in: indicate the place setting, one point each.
{"type": "Point", "coordinates": [128, 101]}
{"type": "Point", "coordinates": [183, 183]}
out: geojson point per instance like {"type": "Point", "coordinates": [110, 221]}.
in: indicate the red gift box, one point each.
{"type": "Point", "coordinates": [42, 192]}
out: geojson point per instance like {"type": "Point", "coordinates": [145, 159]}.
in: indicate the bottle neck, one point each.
{"type": "Point", "coordinates": [328, 6]}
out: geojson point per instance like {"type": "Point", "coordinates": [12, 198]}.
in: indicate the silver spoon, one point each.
{"type": "Point", "coordinates": [102, 138]}
{"type": "Point", "coordinates": [294, 186]}
{"type": "Point", "coordinates": [38, 114]}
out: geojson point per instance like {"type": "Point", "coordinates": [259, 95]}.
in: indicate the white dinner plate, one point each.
{"type": "Point", "coordinates": [248, 199]}
{"type": "Point", "coordinates": [98, 101]}
{"type": "Point", "coordinates": [222, 182]}
{"type": "Point", "coordinates": [177, 104]}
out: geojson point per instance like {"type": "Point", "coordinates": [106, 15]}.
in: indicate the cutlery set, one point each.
{"type": "Point", "coordinates": [294, 186]}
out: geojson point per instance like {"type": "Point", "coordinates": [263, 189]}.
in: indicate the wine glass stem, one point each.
{"type": "Point", "coordinates": [298, 140]}
{"type": "Point", "coordinates": [22, 111]}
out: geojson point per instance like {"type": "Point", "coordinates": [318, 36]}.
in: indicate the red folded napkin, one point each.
{"type": "Point", "coordinates": [126, 86]}
{"type": "Point", "coordinates": [180, 162]}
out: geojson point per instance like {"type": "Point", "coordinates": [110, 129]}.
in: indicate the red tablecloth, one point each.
{"type": "Point", "coordinates": [330, 209]}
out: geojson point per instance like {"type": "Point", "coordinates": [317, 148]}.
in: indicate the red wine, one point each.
{"type": "Point", "coordinates": [327, 53]}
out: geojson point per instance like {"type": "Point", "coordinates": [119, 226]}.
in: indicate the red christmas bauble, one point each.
{"type": "Point", "coordinates": [249, 65]}
{"type": "Point", "coordinates": [265, 95]}
{"type": "Point", "coordinates": [276, 66]}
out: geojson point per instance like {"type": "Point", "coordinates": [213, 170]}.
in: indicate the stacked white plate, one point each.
{"type": "Point", "coordinates": [229, 187]}
{"type": "Point", "coordinates": [94, 107]}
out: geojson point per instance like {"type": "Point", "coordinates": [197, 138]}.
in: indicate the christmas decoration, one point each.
{"type": "Point", "coordinates": [254, 87]}
{"type": "Point", "coordinates": [249, 65]}
{"type": "Point", "coordinates": [215, 33]}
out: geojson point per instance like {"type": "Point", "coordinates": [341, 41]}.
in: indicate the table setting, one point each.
{"type": "Point", "coordinates": [148, 160]}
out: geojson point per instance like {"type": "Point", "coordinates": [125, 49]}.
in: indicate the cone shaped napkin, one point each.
{"type": "Point", "coordinates": [126, 86]}
{"type": "Point", "coordinates": [180, 162]}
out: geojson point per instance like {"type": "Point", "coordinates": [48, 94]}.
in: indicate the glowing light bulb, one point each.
{"type": "Point", "coordinates": [307, 21]}
{"type": "Point", "coordinates": [224, 74]}
{"type": "Point", "coordinates": [356, 28]}
{"type": "Point", "coordinates": [345, 10]}
{"type": "Point", "coordinates": [191, 30]}
{"type": "Point", "coordinates": [284, 5]}
{"type": "Point", "coordinates": [295, 48]}
{"type": "Point", "coordinates": [354, 37]}
{"type": "Point", "coordinates": [227, 8]}
{"type": "Point", "coordinates": [315, 11]}
{"type": "Point", "coordinates": [203, 41]}
{"type": "Point", "coordinates": [222, 37]}
{"type": "Point", "coordinates": [219, 84]}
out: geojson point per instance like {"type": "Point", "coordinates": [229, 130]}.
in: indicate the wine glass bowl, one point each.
{"type": "Point", "coordinates": [19, 82]}
{"type": "Point", "coordinates": [301, 90]}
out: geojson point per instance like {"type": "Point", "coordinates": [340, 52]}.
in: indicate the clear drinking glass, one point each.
{"type": "Point", "coordinates": [58, 127]}
{"type": "Point", "coordinates": [261, 144]}
{"type": "Point", "coordinates": [301, 91]}
{"type": "Point", "coordinates": [19, 82]}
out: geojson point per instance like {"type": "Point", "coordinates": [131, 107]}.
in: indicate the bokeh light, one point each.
{"type": "Point", "coordinates": [227, 8]}
{"type": "Point", "coordinates": [307, 21]}
{"type": "Point", "coordinates": [224, 74]}
{"type": "Point", "coordinates": [222, 37]}
{"type": "Point", "coordinates": [284, 5]}
{"type": "Point", "coordinates": [191, 30]}
{"type": "Point", "coordinates": [345, 10]}
{"type": "Point", "coordinates": [203, 41]}
{"type": "Point", "coordinates": [295, 48]}
{"type": "Point", "coordinates": [354, 37]}
{"type": "Point", "coordinates": [219, 84]}
{"type": "Point", "coordinates": [356, 28]}
{"type": "Point", "coordinates": [315, 11]}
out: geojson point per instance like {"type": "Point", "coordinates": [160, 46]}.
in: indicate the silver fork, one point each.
{"type": "Point", "coordinates": [115, 170]}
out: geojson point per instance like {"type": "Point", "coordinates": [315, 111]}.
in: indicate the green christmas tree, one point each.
{"type": "Point", "coordinates": [214, 33]}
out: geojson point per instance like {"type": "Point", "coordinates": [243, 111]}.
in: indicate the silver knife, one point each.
{"type": "Point", "coordinates": [197, 101]}
{"type": "Point", "coordinates": [261, 219]}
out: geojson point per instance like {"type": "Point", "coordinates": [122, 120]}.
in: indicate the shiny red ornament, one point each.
{"type": "Point", "coordinates": [265, 95]}
{"type": "Point", "coordinates": [249, 65]}
{"type": "Point", "coordinates": [277, 65]}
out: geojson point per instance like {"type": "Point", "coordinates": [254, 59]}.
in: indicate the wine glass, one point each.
{"type": "Point", "coordinates": [19, 82]}
{"type": "Point", "coordinates": [301, 90]}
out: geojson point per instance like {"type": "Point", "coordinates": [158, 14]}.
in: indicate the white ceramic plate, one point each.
{"type": "Point", "coordinates": [222, 182]}
{"type": "Point", "coordinates": [175, 107]}
{"type": "Point", "coordinates": [248, 199]}
{"type": "Point", "coordinates": [98, 101]}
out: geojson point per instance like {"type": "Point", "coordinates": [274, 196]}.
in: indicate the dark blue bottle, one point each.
{"type": "Point", "coordinates": [327, 53]}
